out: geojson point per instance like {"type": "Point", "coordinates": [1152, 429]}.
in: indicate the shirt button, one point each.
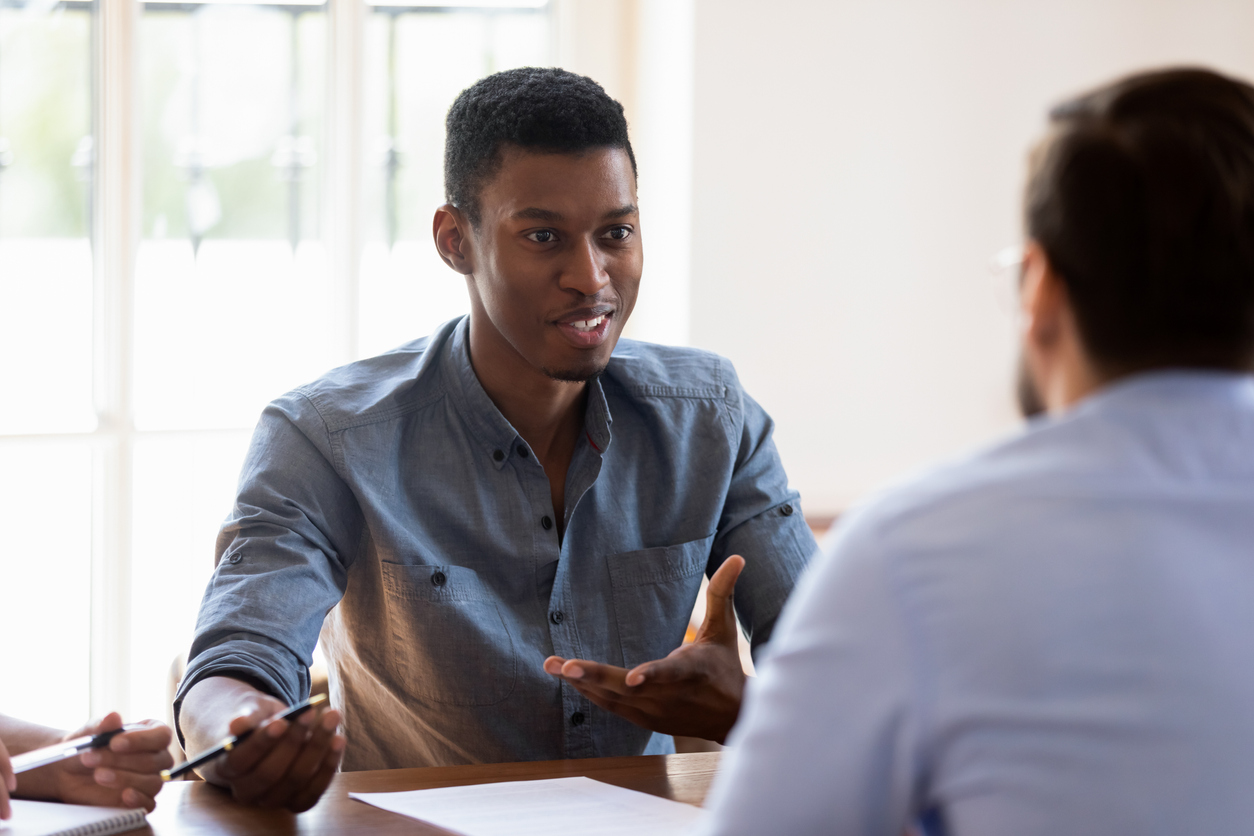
{"type": "Point", "coordinates": [786, 510]}
{"type": "Point", "coordinates": [235, 558]}
{"type": "Point", "coordinates": [546, 522]}
{"type": "Point", "coordinates": [499, 455]}
{"type": "Point", "coordinates": [557, 617]}
{"type": "Point", "coordinates": [577, 718]}
{"type": "Point", "coordinates": [522, 451]}
{"type": "Point", "coordinates": [438, 579]}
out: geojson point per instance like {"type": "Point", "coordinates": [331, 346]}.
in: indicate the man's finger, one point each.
{"type": "Point", "coordinates": [152, 762]}
{"type": "Point", "coordinates": [147, 783]}
{"type": "Point", "coordinates": [308, 796]}
{"type": "Point", "coordinates": [244, 758]}
{"type": "Point", "coordinates": [553, 665]}
{"type": "Point", "coordinates": [153, 739]}
{"type": "Point", "coordinates": [603, 695]}
{"type": "Point", "coordinates": [8, 782]}
{"type": "Point", "coordinates": [109, 722]}
{"type": "Point", "coordinates": [677, 667]}
{"type": "Point", "coordinates": [309, 759]}
{"type": "Point", "coordinates": [270, 775]}
{"type": "Point", "coordinates": [720, 613]}
{"type": "Point", "coordinates": [610, 677]}
{"type": "Point", "coordinates": [723, 581]}
{"type": "Point", "coordinates": [132, 797]}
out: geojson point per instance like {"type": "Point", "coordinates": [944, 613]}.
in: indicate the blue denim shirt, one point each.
{"type": "Point", "coordinates": [390, 508]}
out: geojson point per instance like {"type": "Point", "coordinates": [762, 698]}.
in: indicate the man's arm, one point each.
{"type": "Point", "coordinates": [125, 774]}
{"type": "Point", "coordinates": [283, 558]}
{"type": "Point", "coordinates": [829, 738]}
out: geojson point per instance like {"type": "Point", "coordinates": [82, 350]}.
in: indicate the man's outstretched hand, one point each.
{"type": "Point", "coordinates": [695, 691]}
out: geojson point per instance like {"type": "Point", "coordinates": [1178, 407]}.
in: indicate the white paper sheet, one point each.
{"type": "Point", "coordinates": [541, 808]}
{"type": "Point", "coordinates": [39, 818]}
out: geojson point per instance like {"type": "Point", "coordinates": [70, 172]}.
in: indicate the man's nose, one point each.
{"type": "Point", "coordinates": [585, 271]}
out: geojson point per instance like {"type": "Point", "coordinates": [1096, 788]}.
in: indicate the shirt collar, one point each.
{"type": "Point", "coordinates": [1173, 388]}
{"type": "Point", "coordinates": [597, 418]}
{"type": "Point", "coordinates": [487, 425]}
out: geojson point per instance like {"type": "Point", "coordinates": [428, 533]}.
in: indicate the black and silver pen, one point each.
{"type": "Point", "coordinates": [69, 748]}
{"type": "Point", "coordinates": [231, 742]}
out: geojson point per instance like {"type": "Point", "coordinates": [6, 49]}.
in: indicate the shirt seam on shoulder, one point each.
{"type": "Point", "coordinates": [645, 390]}
{"type": "Point", "coordinates": [379, 417]}
{"type": "Point", "coordinates": [337, 454]}
{"type": "Point", "coordinates": [726, 390]}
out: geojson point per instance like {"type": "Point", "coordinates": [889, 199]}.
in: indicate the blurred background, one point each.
{"type": "Point", "coordinates": [204, 204]}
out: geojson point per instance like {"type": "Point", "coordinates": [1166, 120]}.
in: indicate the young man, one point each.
{"type": "Point", "coordinates": [126, 774]}
{"type": "Point", "coordinates": [519, 485]}
{"type": "Point", "coordinates": [1053, 635]}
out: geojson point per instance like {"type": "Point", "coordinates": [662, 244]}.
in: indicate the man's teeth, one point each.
{"type": "Point", "coordinates": [588, 324]}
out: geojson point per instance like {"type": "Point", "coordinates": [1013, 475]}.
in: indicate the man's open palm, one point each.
{"type": "Point", "coordinates": [695, 691]}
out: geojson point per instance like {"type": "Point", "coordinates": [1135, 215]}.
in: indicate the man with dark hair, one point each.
{"type": "Point", "coordinates": [1052, 635]}
{"type": "Point", "coordinates": [521, 484]}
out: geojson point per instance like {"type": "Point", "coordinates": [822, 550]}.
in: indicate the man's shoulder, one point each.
{"type": "Point", "coordinates": [377, 388]}
{"type": "Point", "coordinates": [650, 370]}
{"type": "Point", "coordinates": [969, 494]}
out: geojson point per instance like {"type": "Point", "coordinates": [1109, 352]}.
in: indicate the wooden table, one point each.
{"type": "Point", "coordinates": [194, 807]}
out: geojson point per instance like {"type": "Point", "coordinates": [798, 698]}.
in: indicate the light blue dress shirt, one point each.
{"type": "Point", "coordinates": [1055, 636]}
{"type": "Point", "coordinates": [392, 507]}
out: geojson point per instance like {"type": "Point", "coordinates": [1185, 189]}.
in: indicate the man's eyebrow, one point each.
{"type": "Point", "coordinates": [535, 213]}
{"type": "Point", "coordinates": [623, 211]}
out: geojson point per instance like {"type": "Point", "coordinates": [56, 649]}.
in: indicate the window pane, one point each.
{"type": "Point", "coordinates": [184, 488]}
{"type": "Point", "coordinates": [416, 64]}
{"type": "Point", "coordinates": [232, 289]}
{"type": "Point", "coordinates": [45, 581]}
{"type": "Point", "coordinates": [45, 193]}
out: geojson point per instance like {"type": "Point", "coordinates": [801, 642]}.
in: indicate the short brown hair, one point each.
{"type": "Point", "coordinates": [1142, 196]}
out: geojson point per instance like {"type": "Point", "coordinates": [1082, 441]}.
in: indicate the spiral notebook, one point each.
{"type": "Point", "coordinates": [44, 818]}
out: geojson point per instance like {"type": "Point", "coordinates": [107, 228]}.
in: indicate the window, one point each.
{"type": "Point", "coordinates": [187, 230]}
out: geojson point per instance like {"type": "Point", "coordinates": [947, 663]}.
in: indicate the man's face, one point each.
{"type": "Point", "coordinates": [1027, 393]}
{"type": "Point", "coordinates": [557, 260]}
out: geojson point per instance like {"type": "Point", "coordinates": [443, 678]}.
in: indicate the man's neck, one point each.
{"type": "Point", "coordinates": [547, 413]}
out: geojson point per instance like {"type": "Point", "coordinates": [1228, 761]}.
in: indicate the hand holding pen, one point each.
{"type": "Point", "coordinates": [273, 761]}
{"type": "Point", "coordinates": [103, 763]}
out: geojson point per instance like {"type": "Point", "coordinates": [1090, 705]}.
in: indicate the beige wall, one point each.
{"type": "Point", "coordinates": [641, 51]}
{"type": "Point", "coordinates": [855, 166]}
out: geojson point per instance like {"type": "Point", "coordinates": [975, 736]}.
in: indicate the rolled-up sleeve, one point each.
{"type": "Point", "coordinates": [282, 557]}
{"type": "Point", "coordinates": [762, 519]}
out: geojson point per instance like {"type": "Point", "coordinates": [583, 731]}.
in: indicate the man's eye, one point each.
{"type": "Point", "coordinates": [541, 236]}
{"type": "Point", "coordinates": [619, 233]}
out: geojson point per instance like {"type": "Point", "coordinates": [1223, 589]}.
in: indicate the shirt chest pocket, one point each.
{"type": "Point", "coordinates": [450, 644]}
{"type": "Point", "coordinates": [654, 592]}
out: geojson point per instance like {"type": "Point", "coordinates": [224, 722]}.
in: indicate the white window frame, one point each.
{"type": "Point", "coordinates": [611, 40]}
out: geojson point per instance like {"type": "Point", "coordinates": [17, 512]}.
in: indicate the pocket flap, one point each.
{"type": "Point", "coordinates": [424, 582]}
{"type": "Point", "coordinates": [662, 564]}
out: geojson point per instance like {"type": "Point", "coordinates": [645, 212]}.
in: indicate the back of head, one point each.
{"type": "Point", "coordinates": [1142, 196]}
{"type": "Point", "coordinates": [546, 110]}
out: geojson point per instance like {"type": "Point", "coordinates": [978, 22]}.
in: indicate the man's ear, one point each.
{"type": "Point", "coordinates": [1043, 299]}
{"type": "Point", "coordinates": [451, 230]}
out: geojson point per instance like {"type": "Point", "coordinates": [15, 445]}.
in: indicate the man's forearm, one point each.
{"type": "Point", "coordinates": [208, 709]}
{"type": "Point", "coordinates": [20, 736]}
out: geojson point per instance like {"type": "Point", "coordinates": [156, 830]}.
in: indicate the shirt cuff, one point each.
{"type": "Point", "coordinates": [259, 661]}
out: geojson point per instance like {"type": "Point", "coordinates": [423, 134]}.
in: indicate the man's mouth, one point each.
{"type": "Point", "coordinates": [586, 325]}
{"type": "Point", "coordinates": [587, 328]}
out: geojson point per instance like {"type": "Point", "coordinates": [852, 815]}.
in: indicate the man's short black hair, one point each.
{"type": "Point", "coordinates": [1143, 199]}
{"type": "Point", "coordinates": [540, 109]}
